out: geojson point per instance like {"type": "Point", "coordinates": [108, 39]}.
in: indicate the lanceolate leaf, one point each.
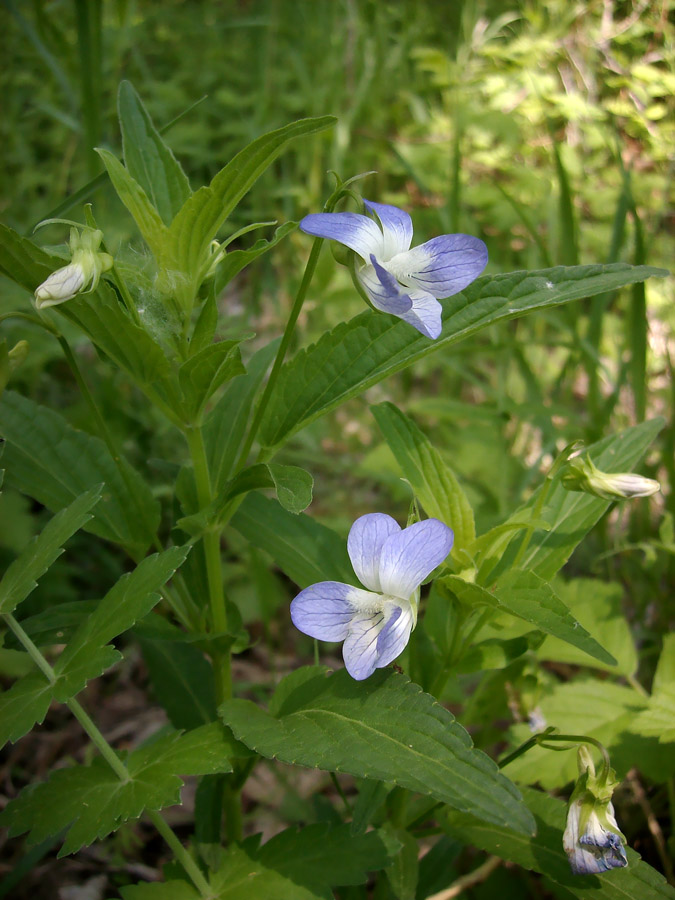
{"type": "Point", "coordinates": [527, 596]}
{"type": "Point", "coordinates": [384, 728]}
{"type": "Point", "coordinates": [236, 260]}
{"type": "Point", "coordinates": [431, 478]}
{"type": "Point", "coordinates": [363, 351]}
{"type": "Point", "coordinates": [23, 261]}
{"type": "Point", "coordinates": [21, 577]}
{"type": "Point", "coordinates": [544, 853]}
{"type": "Point", "coordinates": [54, 463]}
{"type": "Point", "coordinates": [91, 801]}
{"type": "Point", "coordinates": [147, 157]}
{"type": "Point", "coordinates": [202, 374]}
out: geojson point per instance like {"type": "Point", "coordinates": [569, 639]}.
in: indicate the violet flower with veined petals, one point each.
{"type": "Point", "coordinates": [375, 624]}
{"type": "Point", "coordinates": [404, 282]}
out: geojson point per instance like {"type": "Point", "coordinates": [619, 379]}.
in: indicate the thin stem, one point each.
{"type": "Point", "coordinates": [283, 349]}
{"type": "Point", "coordinates": [110, 757]}
{"type": "Point", "coordinates": [232, 810]}
{"type": "Point", "coordinates": [482, 873]}
{"type": "Point", "coordinates": [547, 736]}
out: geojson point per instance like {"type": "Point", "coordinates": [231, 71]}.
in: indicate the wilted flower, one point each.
{"type": "Point", "coordinates": [375, 624]}
{"type": "Point", "coordinates": [83, 273]}
{"type": "Point", "coordinates": [582, 474]}
{"type": "Point", "coordinates": [404, 282]}
{"type": "Point", "coordinates": [592, 840]}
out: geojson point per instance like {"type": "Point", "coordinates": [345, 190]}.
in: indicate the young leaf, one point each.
{"type": "Point", "coordinates": [302, 548]}
{"type": "Point", "coordinates": [527, 596]}
{"type": "Point", "coordinates": [147, 158]}
{"type": "Point", "coordinates": [21, 576]}
{"type": "Point", "coordinates": [544, 853]}
{"type": "Point", "coordinates": [92, 801]}
{"type": "Point", "coordinates": [202, 374]}
{"type": "Point", "coordinates": [236, 260]}
{"type": "Point", "coordinates": [384, 728]}
{"type": "Point", "coordinates": [360, 353]}
{"type": "Point", "coordinates": [54, 463]}
{"type": "Point", "coordinates": [197, 223]}
{"type": "Point", "coordinates": [431, 478]}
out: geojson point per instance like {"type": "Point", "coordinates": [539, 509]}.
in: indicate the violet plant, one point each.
{"type": "Point", "coordinates": [409, 767]}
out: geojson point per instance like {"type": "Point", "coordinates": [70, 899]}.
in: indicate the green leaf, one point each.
{"type": "Point", "coordinates": [202, 374]}
{"type": "Point", "coordinates": [54, 463]}
{"type": "Point", "coordinates": [432, 480]}
{"type": "Point", "coordinates": [360, 353]}
{"type": "Point", "coordinates": [225, 425]}
{"type": "Point", "coordinates": [166, 890]}
{"type": "Point", "coordinates": [571, 514]}
{"type": "Point", "coordinates": [236, 260]}
{"type": "Point", "coordinates": [384, 728]}
{"type": "Point", "coordinates": [658, 720]}
{"type": "Point", "coordinates": [664, 676]}
{"type": "Point", "coordinates": [302, 548]}
{"type": "Point", "coordinates": [23, 261]}
{"type": "Point", "coordinates": [23, 704]}
{"type": "Point", "coordinates": [132, 195]}
{"type": "Point", "coordinates": [544, 854]}
{"type": "Point", "coordinates": [54, 625]}
{"type": "Point", "coordinates": [91, 801]}
{"type": "Point", "coordinates": [197, 223]}
{"type": "Point", "coordinates": [527, 596]}
{"type": "Point", "coordinates": [147, 158]}
{"type": "Point", "coordinates": [21, 576]}
{"type": "Point", "coordinates": [402, 873]}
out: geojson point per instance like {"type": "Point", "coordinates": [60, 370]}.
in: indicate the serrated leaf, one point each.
{"type": "Point", "coordinates": [384, 728]}
{"type": "Point", "coordinates": [202, 374]}
{"type": "Point", "coordinates": [431, 478]}
{"type": "Point", "coordinates": [54, 625]}
{"type": "Point", "coordinates": [92, 801]}
{"type": "Point", "coordinates": [360, 353]}
{"type": "Point", "coordinates": [527, 596]}
{"type": "Point", "coordinates": [544, 853]}
{"type": "Point", "coordinates": [54, 463]}
{"type": "Point", "coordinates": [197, 223]}
{"type": "Point", "coordinates": [302, 548]}
{"type": "Point", "coordinates": [132, 195]}
{"type": "Point", "coordinates": [23, 704]}
{"type": "Point", "coordinates": [658, 720]}
{"type": "Point", "coordinates": [225, 425]}
{"type": "Point", "coordinates": [23, 261]}
{"type": "Point", "coordinates": [22, 575]}
{"type": "Point", "coordinates": [236, 260]}
{"type": "Point", "coordinates": [147, 158]}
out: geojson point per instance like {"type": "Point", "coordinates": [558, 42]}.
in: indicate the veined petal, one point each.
{"type": "Point", "coordinates": [357, 232]}
{"type": "Point", "coordinates": [394, 635]}
{"type": "Point", "coordinates": [407, 558]}
{"type": "Point", "coordinates": [442, 266]}
{"type": "Point", "coordinates": [364, 545]}
{"type": "Point", "coordinates": [396, 227]}
{"type": "Point", "coordinates": [383, 289]}
{"type": "Point", "coordinates": [360, 647]}
{"type": "Point", "coordinates": [61, 285]}
{"type": "Point", "coordinates": [425, 314]}
{"type": "Point", "coordinates": [325, 610]}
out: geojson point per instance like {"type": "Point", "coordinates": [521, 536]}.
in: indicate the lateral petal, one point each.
{"type": "Point", "coordinates": [395, 635]}
{"type": "Point", "coordinates": [357, 232]}
{"type": "Point", "coordinates": [409, 557]}
{"type": "Point", "coordinates": [385, 292]}
{"type": "Point", "coordinates": [364, 545]}
{"type": "Point", "coordinates": [323, 610]}
{"type": "Point", "coordinates": [442, 266]}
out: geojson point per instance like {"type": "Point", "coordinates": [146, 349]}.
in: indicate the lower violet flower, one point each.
{"type": "Point", "coordinates": [375, 624]}
{"type": "Point", "coordinates": [404, 282]}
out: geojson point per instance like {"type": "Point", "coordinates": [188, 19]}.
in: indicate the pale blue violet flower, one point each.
{"type": "Point", "coordinates": [404, 282]}
{"type": "Point", "coordinates": [375, 624]}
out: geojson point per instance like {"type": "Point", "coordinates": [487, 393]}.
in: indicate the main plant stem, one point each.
{"type": "Point", "coordinates": [115, 763]}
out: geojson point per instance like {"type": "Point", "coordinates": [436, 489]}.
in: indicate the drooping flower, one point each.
{"type": "Point", "coordinates": [81, 274]}
{"type": "Point", "coordinates": [592, 840]}
{"type": "Point", "coordinates": [399, 280]}
{"type": "Point", "coordinates": [375, 624]}
{"type": "Point", "coordinates": [581, 474]}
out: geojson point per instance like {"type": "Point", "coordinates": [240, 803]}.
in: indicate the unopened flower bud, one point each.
{"type": "Point", "coordinates": [61, 285]}
{"type": "Point", "coordinates": [582, 475]}
{"type": "Point", "coordinates": [83, 272]}
{"type": "Point", "coordinates": [592, 840]}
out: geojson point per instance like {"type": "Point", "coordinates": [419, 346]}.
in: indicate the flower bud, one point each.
{"type": "Point", "coordinates": [61, 285]}
{"type": "Point", "coordinates": [582, 475]}
{"type": "Point", "coordinates": [83, 272]}
{"type": "Point", "coordinates": [592, 840]}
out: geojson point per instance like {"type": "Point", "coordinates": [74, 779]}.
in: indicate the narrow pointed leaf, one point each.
{"type": "Point", "coordinates": [23, 261]}
{"type": "Point", "coordinates": [236, 260]}
{"type": "Point", "coordinates": [202, 374]}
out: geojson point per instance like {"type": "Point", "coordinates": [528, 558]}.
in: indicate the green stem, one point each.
{"type": "Point", "coordinates": [547, 736]}
{"type": "Point", "coordinates": [221, 661]}
{"type": "Point", "coordinates": [283, 349]}
{"type": "Point", "coordinates": [111, 757]}
{"type": "Point", "coordinates": [232, 810]}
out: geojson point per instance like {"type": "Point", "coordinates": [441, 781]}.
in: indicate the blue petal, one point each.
{"type": "Point", "coordinates": [394, 635]}
{"type": "Point", "coordinates": [364, 544]}
{"type": "Point", "coordinates": [396, 227]}
{"type": "Point", "coordinates": [359, 233]}
{"type": "Point", "coordinates": [425, 314]}
{"type": "Point", "coordinates": [409, 557]}
{"type": "Point", "coordinates": [383, 289]}
{"type": "Point", "coordinates": [442, 266]}
{"type": "Point", "coordinates": [323, 610]}
{"type": "Point", "coordinates": [360, 647]}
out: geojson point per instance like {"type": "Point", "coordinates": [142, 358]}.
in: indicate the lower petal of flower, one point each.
{"type": "Point", "coordinates": [425, 314]}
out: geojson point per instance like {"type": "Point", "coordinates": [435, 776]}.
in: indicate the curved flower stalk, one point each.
{"type": "Point", "coordinates": [82, 274]}
{"type": "Point", "coordinates": [399, 280]}
{"type": "Point", "coordinates": [592, 840]}
{"type": "Point", "coordinates": [375, 624]}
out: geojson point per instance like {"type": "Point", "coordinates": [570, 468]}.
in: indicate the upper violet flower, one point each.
{"type": "Point", "coordinates": [375, 624]}
{"type": "Point", "coordinates": [404, 282]}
